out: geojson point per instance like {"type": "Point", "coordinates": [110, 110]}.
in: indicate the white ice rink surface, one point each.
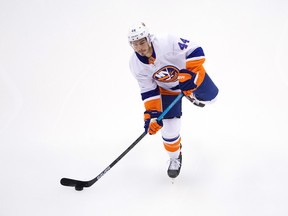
{"type": "Point", "coordinates": [69, 106]}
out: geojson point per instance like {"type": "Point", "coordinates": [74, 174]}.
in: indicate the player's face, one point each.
{"type": "Point", "coordinates": [142, 47]}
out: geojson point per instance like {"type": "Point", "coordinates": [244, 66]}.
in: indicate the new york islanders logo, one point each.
{"type": "Point", "coordinates": [168, 73]}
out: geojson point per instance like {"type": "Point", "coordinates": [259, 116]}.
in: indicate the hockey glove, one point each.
{"type": "Point", "coordinates": [187, 81]}
{"type": "Point", "coordinates": [151, 124]}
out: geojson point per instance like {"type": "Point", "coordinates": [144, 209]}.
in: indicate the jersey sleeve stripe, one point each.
{"type": "Point", "coordinates": [154, 104]}
{"type": "Point", "coordinates": [195, 58]}
{"type": "Point", "coordinates": [149, 94]}
{"type": "Point", "coordinates": [169, 91]}
{"type": "Point", "coordinates": [152, 99]}
{"type": "Point", "coordinates": [198, 52]}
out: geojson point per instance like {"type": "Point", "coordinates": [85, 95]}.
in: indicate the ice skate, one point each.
{"type": "Point", "coordinates": [175, 166]}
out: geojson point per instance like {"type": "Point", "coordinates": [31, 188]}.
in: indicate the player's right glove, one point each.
{"type": "Point", "coordinates": [187, 81]}
{"type": "Point", "coordinates": [151, 124]}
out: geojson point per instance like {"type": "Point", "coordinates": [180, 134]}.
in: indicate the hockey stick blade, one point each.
{"type": "Point", "coordinates": [78, 185]}
{"type": "Point", "coordinates": [73, 182]}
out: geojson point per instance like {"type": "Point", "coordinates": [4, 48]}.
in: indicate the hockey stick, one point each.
{"type": "Point", "coordinates": [79, 185]}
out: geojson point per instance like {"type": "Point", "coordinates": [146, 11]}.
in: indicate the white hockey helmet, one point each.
{"type": "Point", "coordinates": [138, 31]}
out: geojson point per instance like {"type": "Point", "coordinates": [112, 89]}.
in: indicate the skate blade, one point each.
{"type": "Point", "coordinates": [173, 180]}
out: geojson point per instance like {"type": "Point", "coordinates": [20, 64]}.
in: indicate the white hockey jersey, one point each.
{"type": "Point", "coordinates": [171, 55]}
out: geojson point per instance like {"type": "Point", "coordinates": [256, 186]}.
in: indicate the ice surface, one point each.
{"type": "Point", "coordinates": [69, 106]}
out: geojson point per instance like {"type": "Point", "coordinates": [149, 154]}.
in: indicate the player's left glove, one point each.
{"type": "Point", "coordinates": [151, 124]}
{"type": "Point", "coordinates": [187, 81]}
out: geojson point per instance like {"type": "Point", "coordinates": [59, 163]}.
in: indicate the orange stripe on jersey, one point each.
{"type": "Point", "coordinates": [196, 66]}
{"type": "Point", "coordinates": [172, 147]}
{"type": "Point", "coordinates": [168, 92]}
{"type": "Point", "coordinates": [154, 104]}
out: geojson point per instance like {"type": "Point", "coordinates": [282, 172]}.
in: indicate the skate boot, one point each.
{"type": "Point", "coordinates": [174, 166]}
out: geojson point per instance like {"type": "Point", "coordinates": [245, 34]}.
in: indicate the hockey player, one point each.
{"type": "Point", "coordinates": [165, 66]}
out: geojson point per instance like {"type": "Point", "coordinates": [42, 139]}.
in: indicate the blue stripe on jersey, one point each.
{"type": "Point", "coordinates": [151, 93]}
{"type": "Point", "coordinates": [196, 53]}
{"type": "Point", "coordinates": [175, 87]}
